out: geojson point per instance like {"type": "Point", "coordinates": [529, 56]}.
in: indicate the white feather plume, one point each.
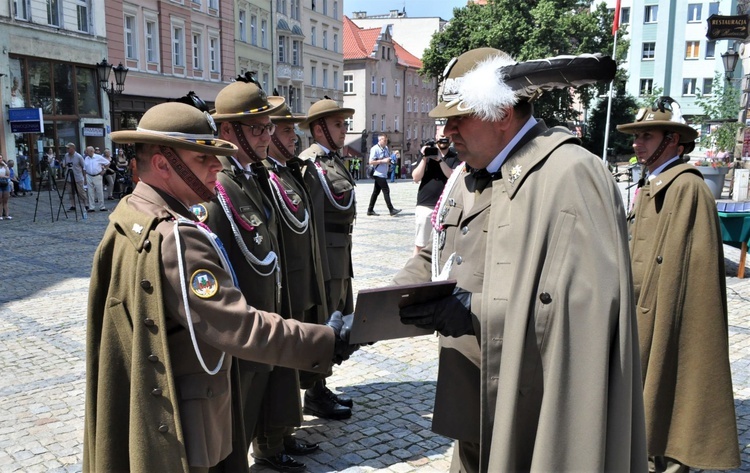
{"type": "Point", "coordinates": [483, 91]}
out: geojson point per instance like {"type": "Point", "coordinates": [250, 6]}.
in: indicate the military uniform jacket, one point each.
{"type": "Point", "coordinates": [150, 406]}
{"type": "Point", "coordinates": [680, 289]}
{"type": "Point", "coordinates": [303, 272]}
{"type": "Point", "coordinates": [559, 381]}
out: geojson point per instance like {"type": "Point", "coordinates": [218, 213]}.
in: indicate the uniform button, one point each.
{"type": "Point", "coordinates": [147, 245]}
{"type": "Point", "coordinates": [459, 260]}
{"type": "Point", "coordinates": [659, 259]}
{"type": "Point", "coordinates": [149, 322]}
{"type": "Point", "coordinates": [465, 230]}
{"type": "Point", "coordinates": [209, 393]}
{"type": "Point", "coordinates": [164, 428]}
{"type": "Point", "coordinates": [153, 358]}
{"type": "Point", "coordinates": [146, 284]}
{"type": "Point", "coordinates": [156, 392]}
{"type": "Point", "coordinates": [545, 298]}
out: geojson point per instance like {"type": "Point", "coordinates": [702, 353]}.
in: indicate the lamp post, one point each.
{"type": "Point", "coordinates": [103, 70]}
{"type": "Point", "coordinates": [730, 59]}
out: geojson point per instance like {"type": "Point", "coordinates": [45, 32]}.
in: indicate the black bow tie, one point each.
{"type": "Point", "coordinates": [478, 179]}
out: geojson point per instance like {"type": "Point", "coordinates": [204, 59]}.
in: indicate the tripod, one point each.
{"type": "Point", "coordinates": [70, 179]}
{"type": "Point", "coordinates": [51, 184]}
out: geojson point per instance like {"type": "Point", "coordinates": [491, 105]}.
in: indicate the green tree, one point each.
{"type": "Point", "coordinates": [530, 29]}
{"type": "Point", "coordinates": [722, 106]}
{"type": "Point", "coordinates": [623, 111]}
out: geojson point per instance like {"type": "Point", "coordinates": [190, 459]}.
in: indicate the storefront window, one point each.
{"type": "Point", "coordinates": [88, 92]}
{"type": "Point", "coordinates": [40, 87]}
{"type": "Point", "coordinates": [64, 96]}
{"type": "Point", "coordinates": [18, 84]}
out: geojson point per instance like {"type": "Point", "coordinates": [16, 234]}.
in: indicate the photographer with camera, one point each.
{"type": "Point", "coordinates": [431, 174]}
{"type": "Point", "coordinates": [73, 163]}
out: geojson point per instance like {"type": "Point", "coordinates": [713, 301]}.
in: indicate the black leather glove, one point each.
{"type": "Point", "coordinates": [342, 325]}
{"type": "Point", "coordinates": [451, 315]}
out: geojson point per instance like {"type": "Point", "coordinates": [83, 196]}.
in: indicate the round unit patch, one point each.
{"type": "Point", "coordinates": [204, 284]}
{"type": "Point", "coordinates": [200, 212]}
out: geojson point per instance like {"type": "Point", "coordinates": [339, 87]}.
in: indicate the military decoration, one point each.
{"type": "Point", "coordinates": [515, 173]}
{"type": "Point", "coordinates": [258, 239]}
{"type": "Point", "coordinates": [204, 284]}
{"type": "Point", "coordinates": [200, 212]}
{"type": "Point", "coordinates": [137, 228]}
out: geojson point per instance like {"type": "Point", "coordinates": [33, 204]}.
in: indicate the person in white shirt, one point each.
{"type": "Point", "coordinates": [95, 166]}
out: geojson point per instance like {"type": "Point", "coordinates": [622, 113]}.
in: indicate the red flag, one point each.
{"type": "Point", "coordinates": [616, 23]}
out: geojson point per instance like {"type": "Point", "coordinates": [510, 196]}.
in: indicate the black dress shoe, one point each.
{"type": "Point", "coordinates": [295, 446]}
{"type": "Point", "coordinates": [323, 406]}
{"type": "Point", "coordinates": [395, 211]}
{"type": "Point", "coordinates": [281, 462]}
{"type": "Point", "coordinates": [339, 398]}
{"type": "Point", "coordinates": [372, 213]}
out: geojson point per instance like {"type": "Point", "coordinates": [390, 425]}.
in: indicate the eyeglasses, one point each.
{"type": "Point", "coordinates": [257, 130]}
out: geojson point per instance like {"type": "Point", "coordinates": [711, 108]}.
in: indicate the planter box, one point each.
{"type": "Point", "coordinates": [714, 177]}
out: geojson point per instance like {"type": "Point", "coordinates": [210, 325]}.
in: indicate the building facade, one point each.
{"type": "Point", "coordinates": [252, 41]}
{"type": "Point", "coordinates": [413, 33]}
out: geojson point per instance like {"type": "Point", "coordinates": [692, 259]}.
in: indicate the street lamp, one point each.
{"type": "Point", "coordinates": [730, 59]}
{"type": "Point", "coordinates": [103, 70]}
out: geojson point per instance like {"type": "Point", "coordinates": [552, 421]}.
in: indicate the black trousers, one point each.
{"type": "Point", "coordinates": [381, 184]}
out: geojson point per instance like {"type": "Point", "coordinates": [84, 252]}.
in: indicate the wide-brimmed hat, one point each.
{"type": "Point", "coordinates": [324, 108]}
{"type": "Point", "coordinates": [664, 115]}
{"type": "Point", "coordinates": [285, 115]}
{"type": "Point", "coordinates": [177, 125]}
{"type": "Point", "coordinates": [241, 100]}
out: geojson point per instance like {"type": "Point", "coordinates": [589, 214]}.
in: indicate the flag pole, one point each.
{"type": "Point", "coordinates": [615, 29]}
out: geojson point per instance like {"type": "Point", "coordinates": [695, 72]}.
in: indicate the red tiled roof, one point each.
{"type": "Point", "coordinates": [359, 43]}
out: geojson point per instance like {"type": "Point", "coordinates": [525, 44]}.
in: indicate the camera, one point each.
{"type": "Point", "coordinates": [429, 148]}
{"type": "Point", "coordinates": [70, 165]}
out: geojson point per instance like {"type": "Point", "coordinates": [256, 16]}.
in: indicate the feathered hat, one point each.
{"type": "Point", "coordinates": [665, 114]}
{"type": "Point", "coordinates": [483, 82]}
{"type": "Point", "coordinates": [177, 125]}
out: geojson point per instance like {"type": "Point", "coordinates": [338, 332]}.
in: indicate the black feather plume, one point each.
{"type": "Point", "coordinates": [530, 77]}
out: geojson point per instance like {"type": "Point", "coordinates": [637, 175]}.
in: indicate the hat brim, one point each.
{"type": "Point", "coordinates": [217, 148]}
{"type": "Point", "coordinates": [347, 112]}
{"type": "Point", "coordinates": [441, 110]}
{"type": "Point", "coordinates": [288, 119]}
{"type": "Point", "coordinates": [686, 132]}
{"type": "Point", "coordinates": [274, 103]}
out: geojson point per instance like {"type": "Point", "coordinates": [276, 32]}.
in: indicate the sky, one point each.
{"type": "Point", "coordinates": [414, 8]}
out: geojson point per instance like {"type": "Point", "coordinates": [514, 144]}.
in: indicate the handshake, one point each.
{"type": "Point", "coordinates": [342, 326]}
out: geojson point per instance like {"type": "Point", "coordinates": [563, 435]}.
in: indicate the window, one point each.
{"type": "Point", "coordinates": [213, 54]}
{"type": "Point", "coordinates": [397, 88]}
{"type": "Point", "coordinates": [263, 35]}
{"type": "Point", "coordinates": [335, 42]}
{"type": "Point", "coordinates": [708, 86]}
{"type": "Point", "coordinates": [325, 39]}
{"type": "Point", "coordinates": [713, 8]}
{"type": "Point", "coordinates": [265, 81]}
{"type": "Point", "coordinates": [416, 104]}
{"type": "Point", "coordinates": [295, 53]}
{"type": "Point", "coordinates": [710, 49]}
{"type": "Point", "coordinates": [152, 45]}
{"type": "Point", "coordinates": [197, 51]}
{"type": "Point", "coordinates": [313, 41]}
{"type": "Point", "coordinates": [692, 49]}
{"type": "Point", "coordinates": [694, 12]}
{"type": "Point", "coordinates": [382, 52]}
{"type": "Point", "coordinates": [647, 86]}
{"type": "Point", "coordinates": [325, 78]}
{"type": "Point", "coordinates": [253, 30]}
{"type": "Point", "coordinates": [243, 27]}
{"type": "Point", "coordinates": [213, 4]}
{"type": "Point", "coordinates": [130, 35]}
{"type": "Point", "coordinates": [373, 86]}
{"type": "Point", "coordinates": [53, 12]}
{"type": "Point", "coordinates": [349, 124]}
{"type": "Point", "coordinates": [408, 104]}
{"type": "Point", "coordinates": [282, 49]}
{"type": "Point", "coordinates": [325, 7]}
{"type": "Point", "coordinates": [348, 84]}
{"type": "Point", "coordinates": [336, 10]}
{"type": "Point", "coordinates": [178, 46]}
{"type": "Point", "coordinates": [281, 6]}
{"type": "Point", "coordinates": [383, 87]}
{"type": "Point", "coordinates": [382, 122]}
{"type": "Point", "coordinates": [650, 13]}
{"type": "Point", "coordinates": [649, 50]}
{"type": "Point", "coordinates": [21, 9]}
{"type": "Point", "coordinates": [314, 76]}
{"type": "Point", "coordinates": [396, 123]}
{"type": "Point", "coordinates": [688, 86]}
{"type": "Point", "coordinates": [294, 10]}
{"type": "Point", "coordinates": [82, 13]}
{"type": "Point", "coordinates": [336, 80]}
{"type": "Point", "coordinates": [372, 122]}
{"type": "Point", "coordinates": [625, 15]}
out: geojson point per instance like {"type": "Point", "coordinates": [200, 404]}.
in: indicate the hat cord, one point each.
{"type": "Point", "coordinates": [244, 144]}
{"type": "Point", "coordinates": [323, 126]}
{"type": "Point", "coordinates": [186, 174]}
{"type": "Point", "coordinates": [658, 151]}
{"type": "Point", "coordinates": [282, 149]}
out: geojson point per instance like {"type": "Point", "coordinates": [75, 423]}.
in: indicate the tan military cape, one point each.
{"type": "Point", "coordinates": [680, 288]}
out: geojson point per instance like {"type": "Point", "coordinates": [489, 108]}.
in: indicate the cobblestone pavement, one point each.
{"type": "Point", "coordinates": [46, 267]}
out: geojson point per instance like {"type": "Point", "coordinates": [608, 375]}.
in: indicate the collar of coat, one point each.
{"type": "Point", "coordinates": [661, 182]}
{"type": "Point", "coordinates": [136, 226]}
{"type": "Point", "coordinates": [532, 150]}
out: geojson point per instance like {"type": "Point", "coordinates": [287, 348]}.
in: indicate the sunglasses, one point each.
{"type": "Point", "coordinates": [257, 130]}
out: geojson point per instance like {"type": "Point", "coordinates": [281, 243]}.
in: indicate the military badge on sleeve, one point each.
{"type": "Point", "coordinates": [204, 284]}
